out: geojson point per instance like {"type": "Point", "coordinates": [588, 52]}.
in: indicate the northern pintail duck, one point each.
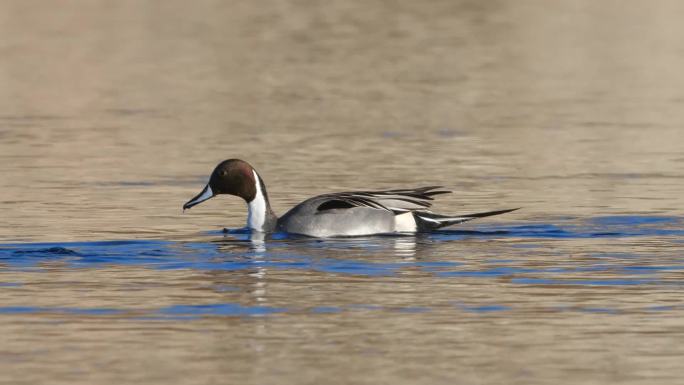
{"type": "Point", "coordinates": [336, 214]}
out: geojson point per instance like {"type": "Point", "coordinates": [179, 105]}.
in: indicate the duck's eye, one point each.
{"type": "Point", "coordinates": [223, 173]}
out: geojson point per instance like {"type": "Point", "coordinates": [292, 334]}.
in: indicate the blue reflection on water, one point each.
{"type": "Point", "coordinates": [194, 312]}
{"type": "Point", "coordinates": [283, 251]}
{"type": "Point", "coordinates": [486, 308]}
{"type": "Point", "coordinates": [38, 309]}
{"type": "Point", "coordinates": [220, 309]}
{"type": "Point", "coordinates": [381, 256]}
{"type": "Point", "coordinates": [633, 220]}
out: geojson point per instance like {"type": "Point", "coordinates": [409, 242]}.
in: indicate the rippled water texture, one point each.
{"type": "Point", "coordinates": [112, 115]}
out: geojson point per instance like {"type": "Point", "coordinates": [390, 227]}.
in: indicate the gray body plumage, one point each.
{"type": "Point", "coordinates": [370, 212]}
{"type": "Point", "coordinates": [306, 219]}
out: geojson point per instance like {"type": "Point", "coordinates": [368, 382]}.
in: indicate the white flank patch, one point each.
{"type": "Point", "coordinates": [405, 223]}
{"type": "Point", "coordinates": [256, 215]}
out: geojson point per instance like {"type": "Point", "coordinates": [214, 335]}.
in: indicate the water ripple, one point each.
{"type": "Point", "coordinates": [387, 256]}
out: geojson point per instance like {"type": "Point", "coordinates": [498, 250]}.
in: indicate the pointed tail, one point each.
{"type": "Point", "coordinates": [428, 221]}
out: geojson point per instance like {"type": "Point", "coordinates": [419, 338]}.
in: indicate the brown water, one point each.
{"type": "Point", "coordinates": [112, 115]}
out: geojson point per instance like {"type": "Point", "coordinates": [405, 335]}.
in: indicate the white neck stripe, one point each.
{"type": "Point", "coordinates": [256, 214]}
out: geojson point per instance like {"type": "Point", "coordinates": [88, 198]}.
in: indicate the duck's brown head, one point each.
{"type": "Point", "coordinates": [233, 177]}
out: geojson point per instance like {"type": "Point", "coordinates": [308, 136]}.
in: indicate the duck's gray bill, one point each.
{"type": "Point", "coordinates": [201, 197]}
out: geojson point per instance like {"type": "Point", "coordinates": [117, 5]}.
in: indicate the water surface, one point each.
{"type": "Point", "coordinates": [112, 115]}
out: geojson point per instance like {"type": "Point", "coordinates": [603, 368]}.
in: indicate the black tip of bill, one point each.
{"type": "Point", "coordinates": [199, 198]}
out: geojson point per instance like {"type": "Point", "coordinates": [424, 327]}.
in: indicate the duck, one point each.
{"type": "Point", "coordinates": [337, 214]}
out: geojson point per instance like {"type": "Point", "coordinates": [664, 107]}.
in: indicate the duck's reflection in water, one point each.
{"type": "Point", "coordinates": [257, 242]}
{"type": "Point", "coordinates": [258, 246]}
{"type": "Point", "coordinates": [405, 247]}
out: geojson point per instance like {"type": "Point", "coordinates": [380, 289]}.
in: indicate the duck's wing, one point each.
{"type": "Point", "coordinates": [396, 201]}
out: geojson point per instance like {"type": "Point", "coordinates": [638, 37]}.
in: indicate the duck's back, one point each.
{"type": "Point", "coordinates": [313, 218]}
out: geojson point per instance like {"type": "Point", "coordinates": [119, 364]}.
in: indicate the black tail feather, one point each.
{"type": "Point", "coordinates": [427, 221]}
{"type": "Point", "coordinates": [490, 213]}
